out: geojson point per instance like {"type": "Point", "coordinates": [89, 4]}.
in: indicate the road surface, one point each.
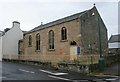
{"type": "Point", "coordinates": [18, 71]}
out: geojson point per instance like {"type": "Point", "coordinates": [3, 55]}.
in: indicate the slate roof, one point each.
{"type": "Point", "coordinates": [114, 38]}
{"type": "Point", "coordinates": [65, 19]}
{"type": "Point", "coordinates": [24, 31]}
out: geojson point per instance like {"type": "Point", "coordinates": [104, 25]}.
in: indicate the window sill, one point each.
{"type": "Point", "coordinates": [64, 41]}
{"type": "Point", "coordinates": [37, 50]}
{"type": "Point", "coordinates": [51, 49]}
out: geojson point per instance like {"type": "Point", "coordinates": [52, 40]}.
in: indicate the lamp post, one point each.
{"type": "Point", "coordinates": [101, 63]}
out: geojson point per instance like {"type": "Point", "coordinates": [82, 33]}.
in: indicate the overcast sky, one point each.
{"type": "Point", "coordinates": [30, 13]}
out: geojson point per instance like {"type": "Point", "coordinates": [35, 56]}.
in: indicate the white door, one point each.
{"type": "Point", "coordinates": [73, 52]}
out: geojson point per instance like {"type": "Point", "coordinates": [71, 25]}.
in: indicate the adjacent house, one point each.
{"type": "Point", "coordinates": [1, 33]}
{"type": "Point", "coordinates": [67, 39]}
{"type": "Point", "coordinates": [10, 40]}
{"type": "Point", "coordinates": [114, 43]}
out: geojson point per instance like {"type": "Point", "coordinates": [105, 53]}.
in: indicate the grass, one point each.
{"type": "Point", "coordinates": [87, 63]}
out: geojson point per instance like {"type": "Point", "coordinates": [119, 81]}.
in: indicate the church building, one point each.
{"type": "Point", "coordinates": [67, 39]}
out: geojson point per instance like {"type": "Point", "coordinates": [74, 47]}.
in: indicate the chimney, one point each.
{"type": "Point", "coordinates": [41, 23]}
{"type": "Point", "coordinates": [16, 24]}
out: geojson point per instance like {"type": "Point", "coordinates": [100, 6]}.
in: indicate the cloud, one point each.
{"type": "Point", "coordinates": [58, 1]}
{"type": "Point", "coordinates": [31, 13]}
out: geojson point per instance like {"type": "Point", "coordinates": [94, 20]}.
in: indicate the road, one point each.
{"type": "Point", "coordinates": [17, 71]}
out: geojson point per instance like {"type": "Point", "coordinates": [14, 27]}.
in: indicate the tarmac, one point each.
{"type": "Point", "coordinates": [112, 71]}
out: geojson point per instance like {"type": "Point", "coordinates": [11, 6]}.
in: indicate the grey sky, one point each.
{"type": "Point", "coordinates": [31, 13]}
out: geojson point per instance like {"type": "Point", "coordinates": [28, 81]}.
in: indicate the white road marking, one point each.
{"type": "Point", "coordinates": [60, 78]}
{"type": "Point", "coordinates": [111, 79]}
{"type": "Point", "coordinates": [26, 71]}
{"type": "Point", "coordinates": [80, 80]}
{"type": "Point", "coordinates": [53, 73]}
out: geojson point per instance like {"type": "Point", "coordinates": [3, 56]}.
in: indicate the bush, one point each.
{"type": "Point", "coordinates": [93, 67]}
{"type": "Point", "coordinates": [111, 59]}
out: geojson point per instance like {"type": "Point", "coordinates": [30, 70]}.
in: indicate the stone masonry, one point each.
{"type": "Point", "coordinates": [82, 28]}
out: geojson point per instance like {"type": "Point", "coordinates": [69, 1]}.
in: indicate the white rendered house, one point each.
{"type": "Point", "coordinates": [114, 43]}
{"type": "Point", "coordinates": [1, 33]}
{"type": "Point", "coordinates": [10, 41]}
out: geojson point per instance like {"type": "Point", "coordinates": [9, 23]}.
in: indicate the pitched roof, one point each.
{"type": "Point", "coordinates": [65, 19]}
{"type": "Point", "coordinates": [114, 38]}
{"type": "Point", "coordinates": [24, 31]}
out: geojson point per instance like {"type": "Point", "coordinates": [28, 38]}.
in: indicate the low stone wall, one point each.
{"type": "Point", "coordinates": [88, 59]}
{"type": "Point", "coordinates": [45, 58]}
{"type": "Point", "coordinates": [74, 67]}
{"type": "Point", "coordinates": [10, 57]}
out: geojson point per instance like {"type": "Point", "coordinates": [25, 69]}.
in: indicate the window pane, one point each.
{"type": "Point", "coordinates": [30, 40]}
{"type": "Point", "coordinates": [38, 41]}
{"type": "Point", "coordinates": [51, 39]}
{"type": "Point", "coordinates": [64, 33]}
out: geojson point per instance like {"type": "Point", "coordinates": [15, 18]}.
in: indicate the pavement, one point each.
{"type": "Point", "coordinates": [16, 71]}
{"type": "Point", "coordinates": [112, 71]}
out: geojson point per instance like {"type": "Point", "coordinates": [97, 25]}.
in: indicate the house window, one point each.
{"type": "Point", "coordinates": [64, 33]}
{"type": "Point", "coordinates": [38, 41]}
{"type": "Point", "coordinates": [51, 39]}
{"type": "Point", "coordinates": [30, 40]}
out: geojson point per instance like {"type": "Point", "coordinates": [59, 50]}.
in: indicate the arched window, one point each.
{"type": "Point", "coordinates": [64, 33]}
{"type": "Point", "coordinates": [38, 41]}
{"type": "Point", "coordinates": [30, 40]}
{"type": "Point", "coordinates": [51, 39]}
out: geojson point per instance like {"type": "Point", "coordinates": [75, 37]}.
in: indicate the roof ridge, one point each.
{"type": "Point", "coordinates": [58, 21]}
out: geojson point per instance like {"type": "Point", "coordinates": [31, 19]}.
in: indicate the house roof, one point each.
{"type": "Point", "coordinates": [65, 19]}
{"type": "Point", "coordinates": [114, 38]}
{"type": "Point", "coordinates": [24, 31]}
